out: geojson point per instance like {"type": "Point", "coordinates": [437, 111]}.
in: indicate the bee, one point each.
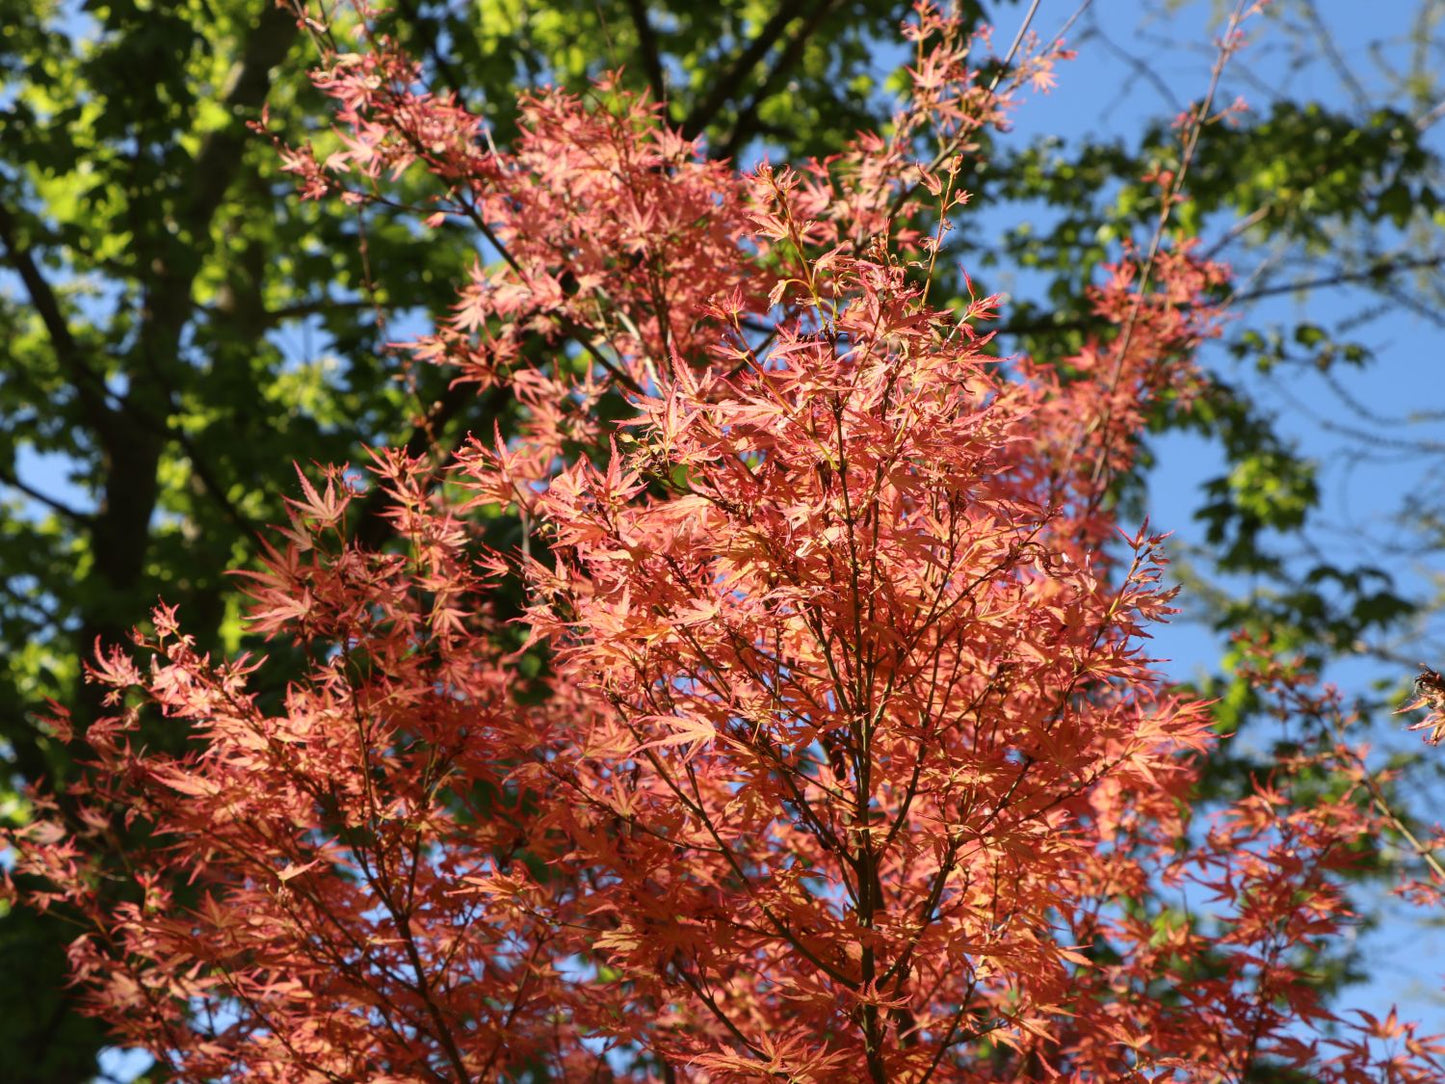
{"type": "Point", "coordinates": [1429, 693]}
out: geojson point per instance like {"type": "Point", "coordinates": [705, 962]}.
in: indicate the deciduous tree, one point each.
{"type": "Point", "coordinates": [826, 746]}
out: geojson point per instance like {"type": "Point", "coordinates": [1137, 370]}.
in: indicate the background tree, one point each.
{"type": "Point", "coordinates": [161, 283]}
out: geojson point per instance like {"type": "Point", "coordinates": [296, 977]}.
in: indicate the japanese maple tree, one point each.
{"type": "Point", "coordinates": [826, 745]}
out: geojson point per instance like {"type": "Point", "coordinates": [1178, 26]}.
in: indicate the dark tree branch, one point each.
{"type": "Point", "coordinates": [169, 297]}
{"type": "Point", "coordinates": [12, 479]}
{"type": "Point", "coordinates": [651, 55]}
{"type": "Point", "coordinates": [426, 30]}
{"type": "Point", "coordinates": [747, 120]}
{"type": "Point", "coordinates": [322, 307]}
{"type": "Point", "coordinates": [1380, 271]}
{"type": "Point", "coordinates": [726, 86]}
{"type": "Point", "coordinates": [105, 412]}
{"type": "Point", "coordinates": [246, 89]}
{"type": "Point", "coordinates": [26, 601]}
{"type": "Point", "coordinates": [133, 447]}
{"type": "Point", "coordinates": [68, 351]}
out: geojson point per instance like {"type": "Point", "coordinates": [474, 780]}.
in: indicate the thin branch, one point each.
{"type": "Point", "coordinates": [695, 985]}
{"type": "Point", "coordinates": [301, 310]}
{"type": "Point", "coordinates": [1344, 72]}
{"type": "Point", "coordinates": [1238, 230]}
{"type": "Point", "coordinates": [1427, 120]}
{"type": "Point", "coordinates": [1228, 46]}
{"type": "Point", "coordinates": [12, 479]}
{"type": "Point", "coordinates": [1141, 70]}
{"type": "Point", "coordinates": [30, 602]}
{"type": "Point", "coordinates": [1373, 273]}
{"type": "Point", "coordinates": [949, 149]}
{"type": "Point", "coordinates": [1382, 804]}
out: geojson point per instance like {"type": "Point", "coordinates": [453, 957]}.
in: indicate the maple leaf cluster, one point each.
{"type": "Point", "coordinates": [826, 747]}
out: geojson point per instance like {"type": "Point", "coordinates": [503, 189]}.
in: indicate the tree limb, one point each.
{"type": "Point", "coordinates": [647, 44]}
{"type": "Point", "coordinates": [68, 350]}
{"type": "Point", "coordinates": [747, 120]}
{"type": "Point", "coordinates": [1381, 270]}
{"type": "Point", "coordinates": [726, 86]}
